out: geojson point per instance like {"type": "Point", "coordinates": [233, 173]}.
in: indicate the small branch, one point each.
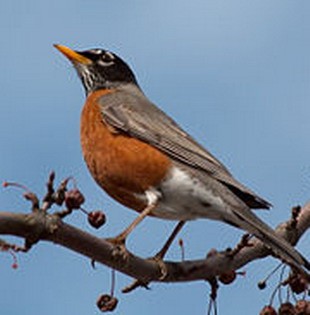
{"type": "Point", "coordinates": [43, 226]}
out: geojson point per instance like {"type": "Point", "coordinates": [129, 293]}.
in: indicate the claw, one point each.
{"type": "Point", "coordinates": [119, 250]}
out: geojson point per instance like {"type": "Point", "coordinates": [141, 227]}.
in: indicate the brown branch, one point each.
{"type": "Point", "coordinates": [40, 225]}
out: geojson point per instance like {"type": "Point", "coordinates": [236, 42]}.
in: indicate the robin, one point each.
{"type": "Point", "coordinates": [147, 162]}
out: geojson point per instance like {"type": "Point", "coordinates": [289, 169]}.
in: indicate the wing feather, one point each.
{"type": "Point", "coordinates": [130, 112]}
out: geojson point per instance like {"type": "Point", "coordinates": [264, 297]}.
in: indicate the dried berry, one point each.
{"type": "Point", "coordinates": [268, 310]}
{"type": "Point", "coordinates": [262, 285]}
{"type": "Point", "coordinates": [74, 199]}
{"type": "Point", "coordinates": [228, 277]}
{"type": "Point", "coordinates": [286, 309]}
{"type": "Point", "coordinates": [302, 307]}
{"type": "Point", "coordinates": [298, 283]}
{"type": "Point", "coordinates": [107, 303]}
{"type": "Point", "coordinates": [96, 219]}
{"type": "Point", "coordinates": [14, 265]}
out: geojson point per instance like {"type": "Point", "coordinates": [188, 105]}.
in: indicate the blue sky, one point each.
{"type": "Point", "coordinates": [235, 74]}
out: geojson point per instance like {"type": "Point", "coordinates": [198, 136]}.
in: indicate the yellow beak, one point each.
{"type": "Point", "coordinates": [73, 55]}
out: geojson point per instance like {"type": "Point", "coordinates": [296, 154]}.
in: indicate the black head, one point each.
{"type": "Point", "coordinates": [98, 68]}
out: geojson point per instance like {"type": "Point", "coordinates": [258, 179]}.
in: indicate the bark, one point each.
{"type": "Point", "coordinates": [42, 226]}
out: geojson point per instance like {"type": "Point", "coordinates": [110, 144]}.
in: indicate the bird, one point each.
{"type": "Point", "coordinates": [144, 160]}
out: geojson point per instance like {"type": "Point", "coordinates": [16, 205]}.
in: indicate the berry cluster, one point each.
{"type": "Point", "coordinates": [297, 284]}
{"type": "Point", "coordinates": [302, 307]}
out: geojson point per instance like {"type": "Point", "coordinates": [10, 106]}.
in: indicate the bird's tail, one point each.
{"type": "Point", "coordinates": [250, 222]}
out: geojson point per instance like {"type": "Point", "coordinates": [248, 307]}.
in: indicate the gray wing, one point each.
{"type": "Point", "coordinates": [130, 112]}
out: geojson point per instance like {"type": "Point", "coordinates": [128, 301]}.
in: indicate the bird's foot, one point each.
{"type": "Point", "coordinates": [145, 284]}
{"type": "Point", "coordinates": [158, 258]}
{"type": "Point", "coordinates": [119, 243]}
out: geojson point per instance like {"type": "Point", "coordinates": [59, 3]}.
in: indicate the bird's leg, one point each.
{"type": "Point", "coordinates": [152, 203]}
{"type": "Point", "coordinates": [159, 259]}
{"type": "Point", "coordinates": [161, 254]}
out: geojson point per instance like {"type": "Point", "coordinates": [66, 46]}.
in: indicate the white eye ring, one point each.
{"type": "Point", "coordinates": [109, 55]}
{"type": "Point", "coordinates": [107, 59]}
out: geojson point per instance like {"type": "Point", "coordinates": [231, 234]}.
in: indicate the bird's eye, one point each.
{"type": "Point", "coordinates": [107, 59]}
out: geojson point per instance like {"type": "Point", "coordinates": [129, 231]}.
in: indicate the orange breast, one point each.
{"type": "Point", "coordinates": [121, 165]}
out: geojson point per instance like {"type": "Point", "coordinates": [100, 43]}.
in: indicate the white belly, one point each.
{"type": "Point", "coordinates": [183, 197]}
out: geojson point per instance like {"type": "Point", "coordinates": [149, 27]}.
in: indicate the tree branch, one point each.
{"type": "Point", "coordinates": [39, 225]}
